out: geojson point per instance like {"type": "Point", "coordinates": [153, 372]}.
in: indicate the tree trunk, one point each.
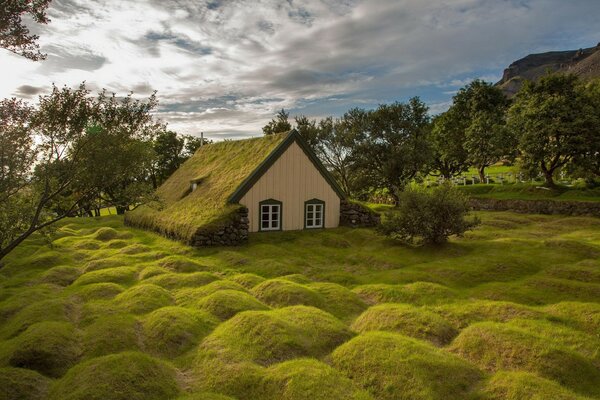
{"type": "Point", "coordinates": [481, 171]}
{"type": "Point", "coordinates": [549, 177]}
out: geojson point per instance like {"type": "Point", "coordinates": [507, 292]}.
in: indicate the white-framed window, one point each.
{"type": "Point", "coordinates": [314, 214]}
{"type": "Point", "coordinates": [270, 215]}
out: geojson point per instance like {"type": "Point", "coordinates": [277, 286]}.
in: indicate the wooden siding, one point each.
{"type": "Point", "coordinates": [292, 179]}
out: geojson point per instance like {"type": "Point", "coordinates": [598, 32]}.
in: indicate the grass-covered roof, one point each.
{"type": "Point", "coordinates": [219, 169]}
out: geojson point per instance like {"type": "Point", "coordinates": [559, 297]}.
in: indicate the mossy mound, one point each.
{"type": "Point", "coordinates": [46, 310]}
{"type": "Point", "coordinates": [144, 298]}
{"type": "Point", "coordinates": [103, 263]}
{"type": "Point", "coordinates": [110, 334]}
{"type": "Point", "coordinates": [63, 275]}
{"type": "Point", "coordinates": [205, 396]}
{"type": "Point", "coordinates": [393, 366]}
{"type": "Point", "coordinates": [121, 275]}
{"type": "Point", "coordinates": [309, 379]}
{"type": "Point", "coordinates": [22, 384]}
{"type": "Point", "coordinates": [267, 337]}
{"type": "Point", "coordinates": [339, 300]}
{"type": "Point", "coordinates": [97, 291]}
{"type": "Point", "coordinates": [408, 320]}
{"type": "Point", "coordinates": [182, 280]}
{"type": "Point", "coordinates": [151, 271]}
{"type": "Point", "coordinates": [494, 347]}
{"type": "Point", "coordinates": [463, 314]}
{"type": "Point", "coordinates": [296, 278]}
{"type": "Point", "coordinates": [214, 372]}
{"type": "Point", "coordinates": [247, 280]}
{"type": "Point", "coordinates": [133, 249]}
{"type": "Point", "coordinates": [171, 331]}
{"type": "Point", "coordinates": [584, 316]}
{"type": "Point", "coordinates": [117, 244]}
{"type": "Point", "coordinates": [123, 376]}
{"type": "Point", "coordinates": [224, 304]}
{"type": "Point", "coordinates": [506, 385]}
{"type": "Point", "coordinates": [105, 234]}
{"type": "Point", "coordinates": [23, 298]}
{"type": "Point", "coordinates": [190, 296]}
{"type": "Point", "coordinates": [50, 348]}
{"type": "Point", "coordinates": [418, 293]}
{"type": "Point", "coordinates": [86, 244]}
{"type": "Point", "coordinates": [177, 263]}
{"type": "Point", "coordinates": [281, 293]}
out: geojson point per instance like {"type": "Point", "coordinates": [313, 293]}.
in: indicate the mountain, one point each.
{"type": "Point", "coordinates": [583, 62]}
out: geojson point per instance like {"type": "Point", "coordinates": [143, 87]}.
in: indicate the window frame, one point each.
{"type": "Point", "coordinates": [314, 202]}
{"type": "Point", "coordinates": [270, 202]}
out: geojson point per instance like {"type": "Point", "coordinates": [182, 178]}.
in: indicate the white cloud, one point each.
{"type": "Point", "coordinates": [223, 67]}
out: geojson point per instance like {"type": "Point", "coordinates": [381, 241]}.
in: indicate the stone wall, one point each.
{"type": "Point", "coordinates": [232, 233]}
{"type": "Point", "coordinates": [357, 215]}
{"type": "Point", "coordinates": [538, 206]}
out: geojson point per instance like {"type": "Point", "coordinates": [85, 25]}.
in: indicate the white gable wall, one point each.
{"type": "Point", "coordinates": [292, 179]}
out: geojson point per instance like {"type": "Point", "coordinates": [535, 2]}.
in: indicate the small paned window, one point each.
{"type": "Point", "coordinates": [314, 214]}
{"type": "Point", "coordinates": [270, 217]}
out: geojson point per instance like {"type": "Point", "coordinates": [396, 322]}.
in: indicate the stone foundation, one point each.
{"type": "Point", "coordinates": [233, 233]}
{"type": "Point", "coordinates": [538, 206]}
{"type": "Point", "coordinates": [356, 215]}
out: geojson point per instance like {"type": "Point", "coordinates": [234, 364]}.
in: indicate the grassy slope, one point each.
{"type": "Point", "coordinates": [510, 311]}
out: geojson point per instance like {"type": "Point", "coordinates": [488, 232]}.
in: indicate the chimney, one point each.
{"type": "Point", "coordinates": [201, 138]}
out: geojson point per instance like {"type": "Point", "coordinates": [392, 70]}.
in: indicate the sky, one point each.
{"type": "Point", "coordinates": [224, 67]}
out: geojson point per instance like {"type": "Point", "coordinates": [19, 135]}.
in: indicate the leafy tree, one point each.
{"type": "Point", "coordinates": [557, 121]}
{"type": "Point", "coordinates": [479, 111]}
{"type": "Point", "coordinates": [309, 130]}
{"type": "Point", "coordinates": [278, 124]}
{"type": "Point", "coordinates": [429, 216]}
{"type": "Point", "coordinates": [60, 157]}
{"type": "Point", "coordinates": [393, 147]}
{"type": "Point", "coordinates": [587, 164]}
{"type": "Point", "coordinates": [167, 148]}
{"type": "Point", "coordinates": [14, 34]}
{"type": "Point", "coordinates": [448, 136]}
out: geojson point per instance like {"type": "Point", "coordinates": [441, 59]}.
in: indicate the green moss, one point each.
{"type": "Point", "coordinates": [408, 320]}
{"type": "Point", "coordinates": [215, 372]}
{"type": "Point", "coordinates": [190, 296]}
{"type": "Point", "coordinates": [151, 271]}
{"type": "Point", "coordinates": [247, 280]}
{"type": "Point", "coordinates": [205, 396]}
{"type": "Point", "coordinates": [339, 300]}
{"type": "Point", "coordinates": [123, 376]}
{"type": "Point", "coordinates": [23, 298]}
{"type": "Point", "coordinates": [97, 291]}
{"type": "Point", "coordinates": [117, 244]}
{"type": "Point", "coordinates": [584, 316]}
{"type": "Point", "coordinates": [122, 275]}
{"type": "Point", "coordinates": [171, 331]}
{"type": "Point", "coordinates": [89, 244]}
{"type": "Point", "coordinates": [495, 347]}
{"type": "Point", "coordinates": [224, 304]}
{"type": "Point", "coordinates": [63, 275]}
{"type": "Point", "coordinates": [136, 248]}
{"type": "Point", "coordinates": [181, 280]}
{"type": "Point", "coordinates": [22, 384]}
{"type": "Point", "coordinates": [103, 263]}
{"type": "Point", "coordinates": [506, 385]}
{"type": "Point", "coordinates": [309, 379]}
{"type": "Point", "coordinates": [110, 334]}
{"type": "Point", "coordinates": [50, 348]}
{"type": "Point", "coordinates": [418, 293]}
{"type": "Point", "coordinates": [280, 293]}
{"type": "Point", "coordinates": [46, 310]}
{"type": "Point", "coordinates": [296, 278]}
{"type": "Point", "coordinates": [105, 234]}
{"type": "Point", "coordinates": [144, 298]}
{"type": "Point", "coordinates": [267, 337]}
{"type": "Point", "coordinates": [176, 263]}
{"type": "Point", "coordinates": [392, 366]}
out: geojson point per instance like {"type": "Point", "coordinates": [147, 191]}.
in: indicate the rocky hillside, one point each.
{"type": "Point", "coordinates": [582, 62]}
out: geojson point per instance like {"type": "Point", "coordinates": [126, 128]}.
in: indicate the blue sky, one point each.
{"type": "Point", "coordinates": [225, 67]}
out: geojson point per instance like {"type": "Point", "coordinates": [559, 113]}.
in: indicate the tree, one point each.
{"type": "Point", "coordinates": [14, 34]}
{"type": "Point", "coordinates": [557, 122]}
{"type": "Point", "coordinates": [60, 157]}
{"type": "Point", "coordinates": [167, 149]}
{"type": "Point", "coordinates": [587, 164]}
{"type": "Point", "coordinates": [429, 216]}
{"type": "Point", "coordinates": [479, 110]}
{"type": "Point", "coordinates": [393, 148]}
{"type": "Point", "coordinates": [278, 124]}
{"type": "Point", "coordinates": [448, 136]}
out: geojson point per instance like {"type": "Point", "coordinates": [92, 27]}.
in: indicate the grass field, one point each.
{"type": "Point", "coordinates": [511, 311]}
{"type": "Point", "coordinates": [528, 191]}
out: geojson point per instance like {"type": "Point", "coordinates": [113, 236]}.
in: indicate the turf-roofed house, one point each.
{"type": "Point", "coordinates": [230, 188]}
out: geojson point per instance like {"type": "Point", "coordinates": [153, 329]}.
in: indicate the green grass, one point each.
{"type": "Point", "coordinates": [529, 191]}
{"type": "Point", "coordinates": [510, 311]}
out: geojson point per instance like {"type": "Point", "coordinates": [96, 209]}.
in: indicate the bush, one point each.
{"type": "Point", "coordinates": [428, 216]}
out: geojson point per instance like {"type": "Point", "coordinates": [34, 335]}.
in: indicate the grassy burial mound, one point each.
{"type": "Point", "coordinates": [507, 313]}
{"type": "Point", "coordinates": [218, 170]}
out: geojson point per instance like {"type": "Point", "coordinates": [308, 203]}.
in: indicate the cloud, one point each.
{"type": "Point", "coordinates": [225, 67]}
{"type": "Point", "coordinates": [28, 91]}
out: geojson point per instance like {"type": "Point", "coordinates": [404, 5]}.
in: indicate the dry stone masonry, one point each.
{"type": "Point", "coordinates": [537, 206]}
{"type": "Point", "coordinates": [232, 233]}
{"type": "Point", "coordinates": [357, 215]}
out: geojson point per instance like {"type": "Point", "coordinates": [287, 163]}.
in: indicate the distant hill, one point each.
{"type": "Point", "coordinates": [583, 62]}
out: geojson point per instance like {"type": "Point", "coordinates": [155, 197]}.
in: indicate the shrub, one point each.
{"type": "Point", "coordinates": [408, 320]}
{"type": "Point", "coordinates": [494, 347]}
{"type": "Point", "coordinates": [144, 298]}
{"type": "Point", "coordinates": [397, 367]}
{"type": "Point", "coordinates": [50, 348]}
{"type": "Point", "coordinates": [22, 384]}
{"type": "Point", "coordinates": [224, 304]}
{"type": "Point", "coordinates": [123, 376]}
{"type": "Point", "coordinates": [171, 331]}
{"type": "Point", "coordinates": [428, 216]}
